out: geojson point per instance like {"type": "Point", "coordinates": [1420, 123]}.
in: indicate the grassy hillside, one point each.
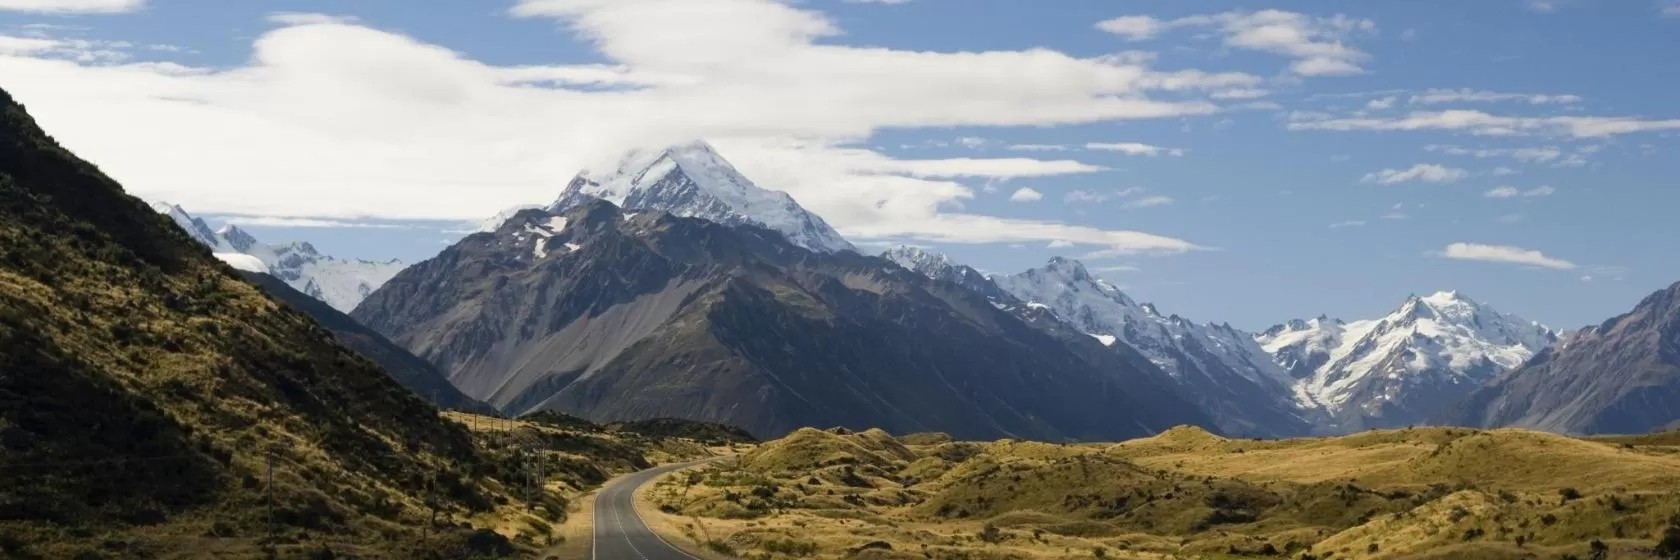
{"type": "Point", "coordinates": [1186, 493]}
{"type": "Point", "coordinates": [146, 391]}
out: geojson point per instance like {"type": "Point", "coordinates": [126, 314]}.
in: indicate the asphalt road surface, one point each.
{"type": "Point", "coordinates": [619, 532]}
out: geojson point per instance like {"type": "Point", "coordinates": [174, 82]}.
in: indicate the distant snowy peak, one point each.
{"type": "Point", "coordinates": [1222, 367]}
{"type": "Point", "coordinates": [1395, 370]}
{"type": "Point", "coordinates": [495, 222]}
{"type": "Point", "coordinates": [340, 283]}
{"type": "Point", "coordinates": [1180, 346]}
{"type": "Point", "coordinates": [693, 180]}
{"type": "Point", "coordinates": [921, 260]}
{"type": "Point", "coordinates": [940, 267]}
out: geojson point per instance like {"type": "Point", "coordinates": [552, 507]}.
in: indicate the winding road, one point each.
{"type": "Point", "coordinates": [619, 533]}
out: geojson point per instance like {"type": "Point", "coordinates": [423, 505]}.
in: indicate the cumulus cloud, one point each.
{"type": "Point", "coordinates": [394, 127]}
{"type": "Point", "coordinates": [1422, 172]}
{"type": "Point", "coordinates": [73, 6]}
{"type": "Point", "coordinates": [1504, 254]}
{"type": "Point", "coordinates": [1134, 149]}
{"type": "Point", "coordinates": [1513, 192]}
{"type": "Point", "coordinates": [1026, 194]}
{"type": "Point", "coordinates": [1318, 46]}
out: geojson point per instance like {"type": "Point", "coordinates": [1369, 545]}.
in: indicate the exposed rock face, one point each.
{"type": "Point", "coordinates": [1622, 376]}
{"type": "Point", "coordinates": [612, 314]}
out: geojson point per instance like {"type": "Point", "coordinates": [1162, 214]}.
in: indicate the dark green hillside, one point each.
{"type": "Point", "coordinates": [143, 383]}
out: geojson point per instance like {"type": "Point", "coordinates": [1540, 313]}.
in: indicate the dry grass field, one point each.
{"type": "Point", "coordinates": [1186, 493]}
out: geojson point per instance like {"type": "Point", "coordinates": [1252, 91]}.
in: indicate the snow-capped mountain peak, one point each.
{"type": "Point", "coordinates": [1224, 366]}
{"type": "Point", "coordinates": [236, 238]}
{"type": "Point", "coordinates": [194, 227]}
{"type": "Point", "coordinates": [938, 266]}
{"type": "Point", "coordinates": [338, 282]}
{"type": "Point", "coordinates": [917, 259]}
{"type": "Point", "coordinates": [1398, 369]}
{"type": "Point", "coordinates": [495, 222]}
{"type": "Point", "coordinates": [693, 180]}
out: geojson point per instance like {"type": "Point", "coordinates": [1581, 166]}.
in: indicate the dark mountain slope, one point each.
{"type": "Point", "coordinates": [412, 372]}
{"type": "Point", "coordinates": [1621, 377]}
{"type": "Point", "coordinates": [142, 384]}
{"type": "Point", "coordinates": [612, 316]}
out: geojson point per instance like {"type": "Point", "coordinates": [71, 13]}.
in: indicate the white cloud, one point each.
{"type": "Point", "coordinates": [308, 18]}
{"type": "Point", "coordinates": [1038, 147]}
{"type": "Point", "coordinates": [1381, 103]}
{"type": "Point", "coordinates": [304, 222]}
{"type": "Point", "coordinates": [972, 141]}
{"type": "Point", "coordinates": [1150, 201]}
{"type": "Point", "coordinates": [1505, 255]}
{"type": "Point", "coordinates": [1442, 96]}
{"type": "Point", "coordinates": [1422, 172]}
{"type": "Point", "coordinates": [1081, 196]}
{"type": "Point", "coordinates": [1317, 45]}
{"type": "Point", "coordinates": [396, 128]}
{"type": "Point", "coordinates": [1134, 149]}
{"type": "Point", "coordinates": [1059, 244]}
{"type": "Point", "coordinates": [1134, 28]}
{"type": "Point", "coordinates": [1503, 171]}
{"type": "Point", "coordinates": [1026, 194]}
{"type": "Point", "coordinates": [73, 6]}
{"type": "Point", "coordinates": [1513, 192]}
{"type": "Point", "coordinates": [1347, 224]}
{"type": "Point", "coordinates": [88, 51]}
{"type": "Point", "coordinates": [1240, 94]}
{"type": "Point", "coordinates": [1540, 154]}
{"type": "Point", "coordinates": [1480, 123]}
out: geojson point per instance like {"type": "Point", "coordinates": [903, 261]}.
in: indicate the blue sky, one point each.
{"type": "Point", "coordinates": [1247, 162]}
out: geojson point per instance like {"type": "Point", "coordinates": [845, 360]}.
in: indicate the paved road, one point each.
{"type": "Point", "coordinates": [619, 532]}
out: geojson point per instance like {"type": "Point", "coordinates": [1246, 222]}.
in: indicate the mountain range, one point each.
{"type": "Point", "coordinates": [341, 283]}
{"type": "Point", "coordinates": [558, 307]}
{"type": "Point", "coordinates": [610, 314]}
{"type": "Point", "coordinates": [1404, 368]}
{"type": "Point", "coordinates": [1619, 377]}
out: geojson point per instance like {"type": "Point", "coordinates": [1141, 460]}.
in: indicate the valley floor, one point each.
{"type": "Point", "coordinates": [1415, 493]}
